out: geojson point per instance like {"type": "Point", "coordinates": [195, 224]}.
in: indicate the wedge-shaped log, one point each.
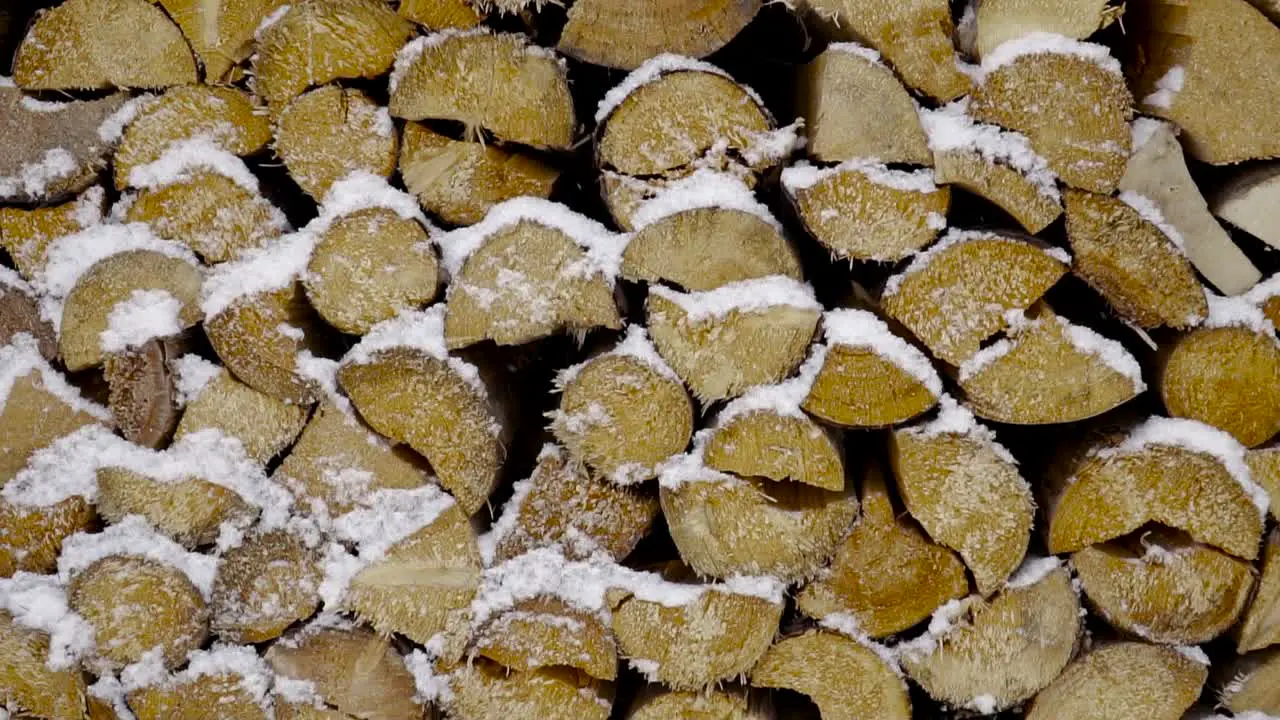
{"type": "Point", "coordinates": [746, 333]}
{"type": "Point", "coordinates": [100, 44]}
{"type": "Point", "coordinates": [330, 656]}
{"type": "Point", "coordinates": [498, 82]}
{"type": "Point", "coordinates": [264, 585]}
{"type": "Point", "coordinates": [623, 412]}
{"type": "Point", "coordinates": [869, 377]}
{"type": "Point", "coordinates": [1122, 251]}
{"type": "Point", "coordinates": [854, 107]}
{"type": "Point", "coordinates": [1014, 192]}
{"type": "Point", "coordinates": [483, 690]}
{"type": "Point", "coordinates": [548, 633]}
{"type": "Point", "coordinates": [914, 37]}
{"type": "Point", "coordinates": [1252, 688]}
{"type": "Point", "coordinates": [1138, 680]}
{"type": "Point", "coordinates": [226, 116]}
{"type": "Point", "coordinates": [531, 269]}
{"type": "Point", "coordinates": [27, 233]}
{"type": "Point", "coordinates": [1225, 376]}
{"type": "Point", "coordinates": [1047, 94]}
{"type": "Point", "coordinates": [653, 702]}
{"type": "Point", "coordinates": [1246, 199]}
{"type": "Point", "coordinates": [415, 579]}
{"type": "Point", "coordinates": [843, 677]}
{"type": "Point", "coordinates": [1049, 370]}
{"type": "Point", "coordinates": [226, 682]}
{"type": "Point", "coordinates": [1157, 171]}
{"type": "Point", "coordinates": [670, 240]}
{"type": "Point", "coordinates": [965, 490]}
{"type": "Point", "coordinates": [53, 149]}
{"type": "Point", "coordinates": [441, 14]}
{"type": "Point", "coordinates": [319, 41]}
{"type": "Point", "coordinates": [368, 266]}
{"type": "Point", "coordinates": [31, 535]}
{"type": "Point", "coordinates": [1182, 58]}
{"type": "Point", "coordinates": [862, 210]}
{"type": "Point", "coordinates": [114, 281]}
{"type": "Point", "coordinates": [326, 134]}
{"type": "Point", "coordinates": [1179, 473]}
{"type": "Point", "coordinates": [141, 392]}
{"type": "Point", "coordinates": [991, 655]}
{"type": "Point", "coordinates": [886, 575]}
{"type": "Point", "coordinates": [258, 338]}
{"type": "Point", "coordinates": [1003, 20]}
{"type": "Point", "coordinates": [27, 683]}
{"type": "Point", "coordinates": [263, 424]}
{"type": "Point", "coordinates": [725, 525]}
{"type": "Point", "coordinates": [220, 32]}
{"type": "Point", "coordinates": [1260, 626]}
{"type": "Point", "coordinates": [691, 637]}
{"type": "Point", "coordinates": [561, 502]}
{"type": "Point", "coordinates": [624, 36]}
{"type": "Point", "coordinates": [1165, 587]}
{"type": "Point", "coordinates": [461, 180]}
{"type": "Point", "coordinates": [956, 294]}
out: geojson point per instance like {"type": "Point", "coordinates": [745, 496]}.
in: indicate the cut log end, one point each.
{"type": "Point", "coordinates": [325, 134]}
{"type": "Point", "coordinates": [1225, 377]}
{"type": "Point", "coordinates": [263, 586]}
{"type": "Point", "coordinates": [604, 33]}
{"type": "Point", "coordinates": [1009, 189]}
{"type": "Point", "coordinates": [772, 445]}
{"type": "Point", "coordinates": [1139, 680]}
{"type": "Point", "coordinates": [845, 679]}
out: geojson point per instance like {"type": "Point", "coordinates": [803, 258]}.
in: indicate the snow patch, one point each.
{"type": "Point", "coordinates": [34, 178]}
{"type": "Point", "coordinates": [39, 602]}
{"type": "Point", "coordinates": [1033, 570]}
{"type": "Point", "coordinates": [955, 419]}
{"type": "Point", "coordinates": [1142, 129]}
{"type": "Point", "coordinates": [1150, 212]}
{"type": "Point", "coordinates": [112, 128]}
{"type": "Point", "coordinates": [635, 344]}
{"type": "Point", "coordinates": [743, 296]}
{"type": "Point", "coordinates": [782, 398]}
{"type": "Point", "coordinates": [1040, 43]}
{"type": "Point", "coordinates": [862, 329]}
{"type": "Point", "coordinates": [134, 537]}
{"type": "Point", "coordinates": [21, 357]}
{"type": "Point", "coordinates": [1167, 88]}
{"type": "Point", "coordinates": [862, 51]}
{"type": "Point", "coordinates": [705, 188]}
{"type": "Point", "coordinates": [654, 68]}
{"type": "Point", "coordinates": [182, 160]}
{"type": "Point", "coordinates": [421, 330]}
{"type": "Point", "coordinates": [1238, 311]}
{"type": "Point", "coordinates": [276, 16]}
{"type": "Point", "coordinates": [802, 176]}
{"type": "Point", "coordinates": [951, 128]}
{"type": "Point", "coordinates": [145, 315]}
{"type": "Point", "coordinates": [1193, 653]}
{"type": "Point", "coordinates": [194, 374]}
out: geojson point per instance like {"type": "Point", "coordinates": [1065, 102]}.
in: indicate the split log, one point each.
{"type": "Point", "coordinates": [220, 32]}
{"type": "Point", "coordinates": [55, 149]}
{"type": "Point", "coordinates": [190, 510]}
{"type": "Point", "coordinates": [338, 462]}
{"type": "Point", "coordinates": [498, 82]}
{"type": "Point", "coordinates": [227, 682]}
{"type": "Point", "coordinates": [459, 181]}
{"type": "Point", "coordinates": [764, 434]}
{"type": "Point", "coordinates": [441, 14]}
{"type": "Point", "coordinates": [914, 37]}
{"type": "Point", "coordinates": [854, 107]}
{"type": "Point", "coordinates": [617, 36]}
{"type": "Point", "coordinates": [328, 133]}
{"type": "Point", "coordinates": [548, 633]}
{"type": "Point", "coordinates": [26, 234]}
{"type": "Point", "coordinates": [746, 333]}
{"type": "Point", "coordinates": [1049, 370]}
{"type": "Point", "coordinates": [1226, 375]}
{"type": "Point", "coordinates": [991, 655]}
{"type": "Point", "coordinates": [368, 266]}
{"type": "Point", "coordinates": [37, 405]}
{"type": "Point", "coordinates": [655, 703]}
{"type": "Point", "coordinates": [416, 581]}
{"type": "Point", "coordinates": [692, 637]}
{"type": "Point", "coordinates": [1126, 252]}
{"type": "Point", "coordinates": [844, 678]}
{"type": "Point", "coordinates": [226, 116]}
{"type": "Point", "coordinates": [862, 210]}
{"type": "Point", "coordinates": [141, 392]}
{"type": "Point", "coordinates": [964, 489]}
{"type": "Point", "coordinates": [1254, 685]}
{"type": "Point", "coordinates": [20, 315]}
{"type": "Point", "coordinates": [1182, 57]}
{"type": "Point", "coordinates": [1004, 20]}
{"type": "Point", "coordinates": [28, 684]}
{"type": "Point", "coordinates": [31, 535]}
{"type": "Point", "coordinates": [1260, 626]}
{"type": "Point", "coordinates": [956, 294]}
{"type": "Point", "coordinates": [869, 377]}
{"type": "Point", "coordinates": [319, 41]}
{"type": "Point", "coordinates": [484, 690]}
{"type": "Point", "coordinates": [993, 163]}
{"type": "Point", "coordinates": [725, 525]}
{"type": "Point", "coordinates": [328, 653]}
{"type": "Point", "coordinates": [1179, 473]}
{"type": "Point", "coordinates": [1157, 171]}
{"type": "Point", "coordinates": [135, 604]}
{"type": "Point", "coordinates": [1049, 93]}
{"type": "Point", "coordinates": [531, 269]}
{"type": "Point", "coordinates": [114, 295]}
{"type": "Point", "coordinates": [886, 575]}
{"type": "Point", "coordinates": [1164, 588]}
{"type": "Point", "coordinates": [216, 400]}
{"type": "Point", "coordinates": [623, 412]}
{"type": "Point", "coordinates": [101, 44]}
{"type": "Point", "coordinates": [562, 503]}
{"type": "Point", "coordinates": [264, 585]}
{"type": "Point", "coordinates": [1264, 467]}
{"type": "Point", "coordinates": [1131, 679]}
{"type": "Point", "coordinates": [1245, 202]}
{"type": "Point", "coordinates": [670, 245]}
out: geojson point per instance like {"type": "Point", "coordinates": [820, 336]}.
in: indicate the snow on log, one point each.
{"type": "Point", "coordinates": [606, 33]}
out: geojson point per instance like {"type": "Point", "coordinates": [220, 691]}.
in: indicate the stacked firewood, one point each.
{"type": "Point", "coordinates": [643, 359]}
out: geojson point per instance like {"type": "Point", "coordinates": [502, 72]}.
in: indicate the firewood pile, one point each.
{"type": "Point", "coordinates": [639, 359]}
